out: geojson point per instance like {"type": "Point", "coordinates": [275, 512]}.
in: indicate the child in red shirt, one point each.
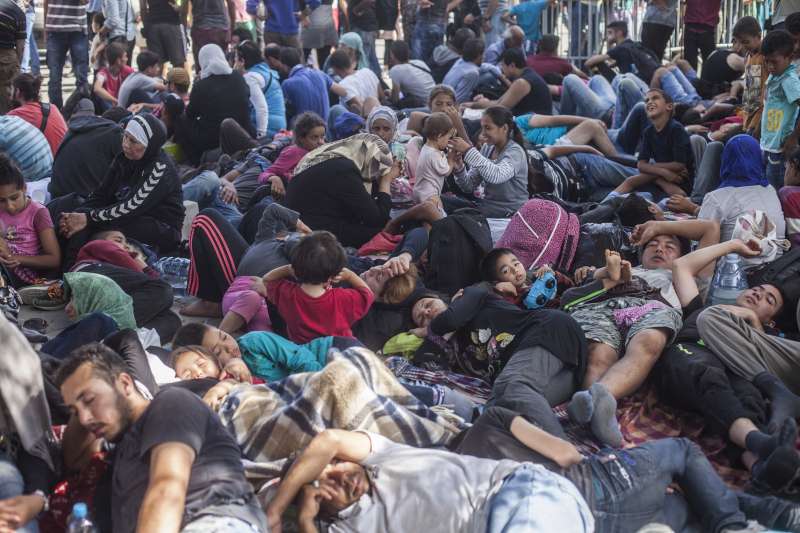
{"type": "Point", "coordinates": [109, 79]}
{"type": "Point", "coordinates": [309, 305]}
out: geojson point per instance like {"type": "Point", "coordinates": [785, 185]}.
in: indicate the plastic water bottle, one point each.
{"type": "Point", "coordinates": [78, 521]}
{"type": "Point", "coordinates": [729, 280]}
{"type": "Point", "coordinates": [175, 271]}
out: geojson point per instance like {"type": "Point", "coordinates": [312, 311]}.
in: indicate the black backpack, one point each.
{"type": "Point", "coordinates": [456, 246]}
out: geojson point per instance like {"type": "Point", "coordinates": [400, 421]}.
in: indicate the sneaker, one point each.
{"type": "Point", "coordinates": [751, 527]}
{"type": "Point", "coordinates": [34, 292]}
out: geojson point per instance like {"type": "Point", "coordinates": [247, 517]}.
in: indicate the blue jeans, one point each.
{"type": "Point", "coordinates": [601, 175]}
{"type": "Point", "coordinates": [58, 44]}
{"type": "Point", "coordinates": [591, 101]}
{"type": "Point", "coordinates": [204, 189]}
{"type": "Point", "coordinates": [679, 88]}
{"type": "Point", "coordinates": [498, 27]}
{"type": "Point", "coordinates": [630, 90]}
{"type": "Point", "coordinates": [426, 37]}
{"type": "Point", "coordinates": [629, 487]}
{"type": "Point", "coordinates": [368, 39]}
{"type": "Point", "coordinates": [706, 178]}
{"type": "Point", "coordinates": [30, 61]}
{"type": "Point", "coordinates": [11, 485]}
{"type": "Point", "coordinates": [775, 169]}
{"type": "Point", "coordinates": [91, 328]}
{"type": "Point", "coordinates": [533, 499]}
{"type": "Point", "coordinates": [627, 136]}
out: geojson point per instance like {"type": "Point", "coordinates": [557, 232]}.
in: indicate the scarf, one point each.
{"type": "Point", "coordinates": [353, 40]}
{"type": "Point", "coordinates": [212, 62]}
{"type": "Point", "coordinates": [369, 153]}
{"type": "Point", "coordinates": [93, 293]}
{"type": "Point", "coordinates": [742, 163]}
{"type": "Point", "coordinates": [382, 113]}
{"type": "Point", "coordinates": [22, 398]}
{"type": "Point", "coordinates": [346, 125]}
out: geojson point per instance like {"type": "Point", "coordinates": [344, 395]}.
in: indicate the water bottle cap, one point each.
{"type": "Point", "coordinates": [79, 510]}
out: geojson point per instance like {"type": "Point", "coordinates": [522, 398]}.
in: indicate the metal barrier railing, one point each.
{"type": "Point", "coordinates": [581, 23]}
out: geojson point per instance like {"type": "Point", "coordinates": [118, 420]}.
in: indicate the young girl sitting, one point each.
{"type": "Point", "coordinates": [28, 243]}
{"type": "Point", "coordinates": [434, 164]}
{"type": "Point", "coordinates": [309, 134]}
{"type": "Point", "coordinates": [309, 305]}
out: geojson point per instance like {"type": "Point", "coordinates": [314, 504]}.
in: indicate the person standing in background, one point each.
{"type": "Point", "coordinates": [658, 25]}
{"type": "Point", "coordinates": [162, 29]}
{"type": "Point", "coordinates": [281, 26]}
{"type": "Point", "coordinates": [12, 46]}
{"type": "Point", "coordinates": [30, 58]}
{"type": "Point", "coordinates": [492, 23]}
{"type": "Point", "coordinates": [784, 9]}
{"type": "Point", "coordinates": [65, 31]}
{"type": "Point", "coordinates": [120, 24]}
{"type": "Point", "coordinates": [320, 33]}
{"type": "Point", "coordinates": [212, 23]}
{"type": "Point", "coordinates": [430, 27]}
{"type": "Point", "coordinates": [363, 19]}
{"type": "Point", "coordinates": [700, 33]}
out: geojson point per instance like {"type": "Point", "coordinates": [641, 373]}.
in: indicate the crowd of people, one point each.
{"type": "Point", "coordinates": [427, 297]}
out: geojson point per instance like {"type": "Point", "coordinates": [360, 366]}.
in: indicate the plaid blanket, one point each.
{"type": "Point", "coordinates": [354, 391]}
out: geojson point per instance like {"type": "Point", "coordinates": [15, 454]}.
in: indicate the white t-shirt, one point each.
{"type": "Point", "coordinates": [362, 83]}
{"type": "Point", "coordinates": [425, 491]}
{"type": "Point", "coordinates": [661, 279]}
{"type": "Point", "coordinates": [728, 203]}
{"type": "Point", "coordinates": [414, 79]}
{"type": "Point", "coordinates": [432, 169]}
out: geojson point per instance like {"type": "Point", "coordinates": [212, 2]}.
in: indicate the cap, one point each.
{"type": "Point", "coordinates": [85, 108]}
{"type": "Point", "coordinates": [179, 76]}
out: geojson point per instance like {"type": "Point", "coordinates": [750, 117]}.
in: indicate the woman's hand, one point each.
{"type": "Point", "coordinates": [459, 145]}
{"type": "Point", "coordinates": [394, 172]}
{"type": "Point", "coordinates": [72, 223]}
{"type": "Point", "coordinates": [277, 188]}
{"type": "Point", "coordinates": [17, 511]}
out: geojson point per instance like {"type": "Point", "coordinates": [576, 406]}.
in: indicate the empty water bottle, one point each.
{"type": "Point", "coordinates": [78, 521]}
{"type": "Point", "coordinates": [729, 280]}
{"type": "Point", "coordinates": [175, 271]}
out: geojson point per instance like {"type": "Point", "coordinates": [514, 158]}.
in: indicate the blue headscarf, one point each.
{"type": "Point", "coordinates": [346, 125]}
{"type": "Point", "coordinates": [742, 163]}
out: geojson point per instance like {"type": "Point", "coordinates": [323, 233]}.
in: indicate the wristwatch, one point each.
{"type": "Point", "coordinates": [46, 499]}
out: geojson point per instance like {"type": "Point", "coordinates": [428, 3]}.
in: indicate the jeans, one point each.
{"type": "Point", "coordinates": [58, 44]}
{"type": "Point", "coordinates": [629, 487]}
{"type": "Point", "coordinates": [368, 39]}
{"type": "Point", "coordinates": [776, 168]}
{"type": "Point", "coordinates": [91, 328]}
{"type": "Point", "coordinates": [30, 61]}
{"type": "Point", "coordinates": [218, 524]}
{"type": "Point", "coordinates": [204, 189]}
{"type": "Point", "coordinates": [697, 36]}
{"type": "Point", "coordinates": [706, 178]}
{"type": "Point", "coordinates": [630, 90]}
{"type": "Point", "coordinates": [601, 175]}
{"type": "Point", "coordinates": [12, 484]}
{"type": "Point", "coordinates": [627, 136]}
{"type": "Point", "coordinates": [591, 101]}
{"type": "Point", "coordinates": [498, 27]}
{"type": "Point", "coordinates": [426, 37]}
{"type": "Point", "coordinates": [678, 86]}
{"type": "Point", "coordinates": [533, 499]}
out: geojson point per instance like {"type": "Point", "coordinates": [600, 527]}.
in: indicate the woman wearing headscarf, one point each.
{"type": "Point", "coordinates": [343, 187]}
{"type": "Point", "coordinates": [93, 293]}
{"type": "Point", "coordinates": [742, 188]}
{"type": "Point", "coordinates": [352, 42]}
{"type": "Point", "coordinates": [219, 94]}
{"type": "Point", "coordinates": [140, 195]}
{"type": "Point", "coordinates": [382, 121]}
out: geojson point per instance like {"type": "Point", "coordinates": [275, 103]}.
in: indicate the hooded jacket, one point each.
{"type": "Point", "coordinates": [83, 158]}
{"type": "Point", "coordinates": [146, 187]}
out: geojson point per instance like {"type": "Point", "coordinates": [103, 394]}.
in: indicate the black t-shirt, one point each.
{"type": "Point", "coordinates": [690, 333]}
{"type": "Point", "coordinates": [365, 18]}
{"type": "Point", "coordinates": [717, 70]}
{"type": "Point", "coordinates": [217, 484]}
{"type": "Point", "coordinates": [161, 11]}
{"type": "Point", "coordinates": [636, 58]}
{"type": "Point", "coordinates": [669, 145]}
{"type": "Point", "coordinates": [538, 100]}
{"type": "Point", "coordinates": [12, 24]}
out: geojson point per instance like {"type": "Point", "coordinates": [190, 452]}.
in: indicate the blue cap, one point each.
{"type": "Point", "coordinates": [79, 510]}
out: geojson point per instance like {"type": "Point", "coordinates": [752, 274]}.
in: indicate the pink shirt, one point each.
{"type": "Point", "coordinates": [285, 164]}
{"type": "Point", "coordinates": [21, 232]}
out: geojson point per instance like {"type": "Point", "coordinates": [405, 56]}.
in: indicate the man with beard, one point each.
{"type": "Point", "coordinates": [174, 466]}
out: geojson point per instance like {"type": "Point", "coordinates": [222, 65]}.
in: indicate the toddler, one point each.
{"type": "Point", "coordinates": [434, 164]}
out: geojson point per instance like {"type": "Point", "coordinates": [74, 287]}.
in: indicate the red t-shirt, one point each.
{"type": "Point", "coordinates": [56, 126]}
{"type": "Point", "coordinates": [309, 318]}
{"type": "Point", "coordinates": [546, 64]}
{"type": "Point", "coordinates": [112, 83]}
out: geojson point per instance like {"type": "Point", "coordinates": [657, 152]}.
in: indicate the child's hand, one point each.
{"type": "Point", "coordinates": [584, 273]}
{"type": "Point", "coordinates": [506, 288]}
{"type": "Point", "coordinates": [542, 270]}
{"type": "Point", "coordinates": [9, 260]}
{"type": "Point", "coordinates": [259, 287]}
{"type": "Point", "coordinates": [236, 369]}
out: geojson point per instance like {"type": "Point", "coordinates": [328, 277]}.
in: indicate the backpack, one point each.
{"type": "Point", "coordinates": [456, 246]}
{"type": "Point", "coordinates": [542, 233]}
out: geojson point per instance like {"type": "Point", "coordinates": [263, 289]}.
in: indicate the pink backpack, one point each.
{"type": "Point", "coordinates": [542, 233]}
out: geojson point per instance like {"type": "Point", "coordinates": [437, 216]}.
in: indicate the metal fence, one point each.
{"type": "Point", "coordinates": [581, 23]}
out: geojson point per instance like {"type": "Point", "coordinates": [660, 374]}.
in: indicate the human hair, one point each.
{"type": "Point", "coordinates": [461, 36]}
{"type": "Point", "coordinates": [290, 56]}
{"type": "Point", "coordinates": [250, 54]}
{"type": "Point", "coordinates": [190, 334]}
{"type": "Point", "coordinates": [114, 53]}
{"type": "Point", "coordinates": [400, 51]}
{"type": "Point", "coordinates": [28, 85]}
{"type": "Point", "coordinates": [488, 266]}
{"type": "Point", "coordinates": [340, 60]}
{"type": "Point", "coordinates": [473, 50]}
{"type": "Point", "coordinates": [146, 59]}
{"type": "Point", "coordinates": [778, 42]}
{"type": "Point", "coordinates": [514, 56]}
{"type": "Point", "coordinates": [317, 258]}
{"type": "Point", "coordinates": [441, 89]}
{"type": "Point", "coordinates": [792, 23]}
{"type": "Point", "coordinates": [243, 34]}
{"type": "Point", "coordinates": [747, 26]}
{"type": "Point", "coordinates": [272, 50]}
{"type": "Point", "coordinates": [304, 123]}
{"type": "Point", "coordinates": [196, 348]}
{"type": "Point", "coordinates": [634, 210]}
{"type": "Point", "coordinates": [502, 116]}
{"type": "Point", "coordinates": [436, 125]}
{"type": "Point", "coordinates": [667, 98]}
{"type": "Point", "coordinates": [397, 289]}
{"type": "Point", "coordinates": [619, 25]}
{"type": "Point", "coordinates": [548, 44]}
{"type": "Point", "coordinates": [116, 114]}
{"type": "Point", "coordinates": [10, 174]}
{"type": "Point", "coordinates": [106, 363]}
{"type": "Point", "coordinates": [99, 19]}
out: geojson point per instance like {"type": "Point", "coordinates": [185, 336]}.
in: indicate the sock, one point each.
{"type": "Point", "coordinates": [783, 403]}
{"type": "Point", "coordinates": [581, 407]}
{"type": "Point", "coordinates": [604, 420]}
{"type": "Point", "coordinates": [761, 444]}
{"type": "Point", "coordinates": [778, 470]}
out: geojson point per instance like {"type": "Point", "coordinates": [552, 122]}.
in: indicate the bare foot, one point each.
{"type": "Point", "coordinates": [202, 308]}
{"type": "Point", "coordinates": [626, 273]}
{"type": "Point", "coordinates": [613, 265]}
